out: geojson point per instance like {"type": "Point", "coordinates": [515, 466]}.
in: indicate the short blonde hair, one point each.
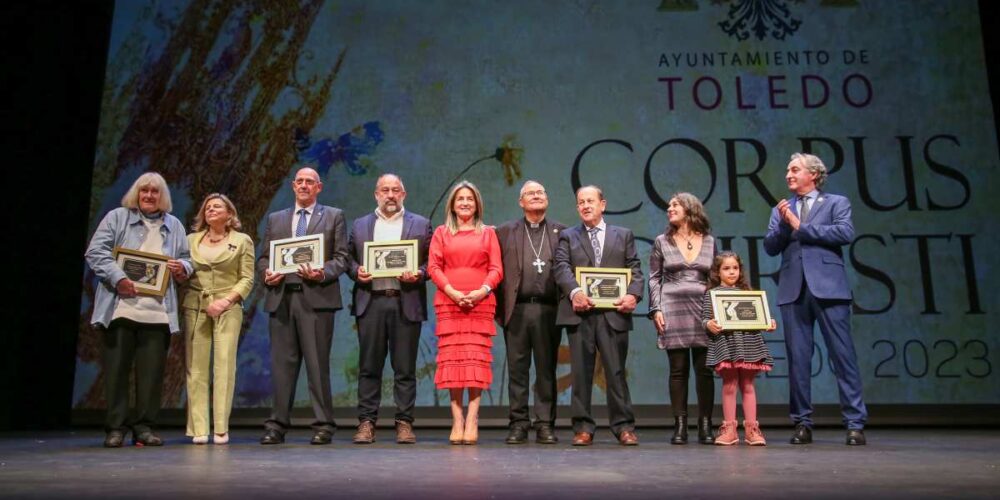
{"type": "Point", "coordinates": [451, 220]}
{"type": "Point", "coordinates": [232, 223]}
{"type": "Point", "coordinates": [131, 198]}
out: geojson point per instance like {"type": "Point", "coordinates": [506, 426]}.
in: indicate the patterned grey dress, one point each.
{"type": "Point", "coordinates": [677, 288]}
{"type": "Point", "coordinates": [735, 349]}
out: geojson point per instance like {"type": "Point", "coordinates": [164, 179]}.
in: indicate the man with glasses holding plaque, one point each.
{"type": "Point", "coordinates": [389, 310]}
{"type": "Point", "coordinates": [302, 306]}
{"type": "Point", "coordinates": [596, 244]}
{"type": "Point", "coordinates": [526, 309]}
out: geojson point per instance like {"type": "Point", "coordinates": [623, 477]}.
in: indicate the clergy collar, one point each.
{"type": "Point", "coordinates": [534, 225]}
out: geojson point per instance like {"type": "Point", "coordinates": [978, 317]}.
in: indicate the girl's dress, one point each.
{"type": "Point", "coordinates": [735, 349]}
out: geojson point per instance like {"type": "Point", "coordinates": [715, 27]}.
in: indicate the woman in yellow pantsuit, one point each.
{"type": "Point", "coordinates": [223, 261]}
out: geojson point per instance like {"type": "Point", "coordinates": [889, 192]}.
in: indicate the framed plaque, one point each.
{"type": "Point", "coordinates": [148, 271]}
{"type": "Point", "coordinates": [741, 309]}
{"type": "Point", "coordinates": [604, 285]}
{"type": "Point", "coordinates": [290, 253]}
{"type": "Point", "coordinates": [390, 259]}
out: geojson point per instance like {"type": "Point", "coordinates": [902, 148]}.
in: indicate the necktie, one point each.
{"type": "Point", "coordinates": [596, 243]}
{"type": "Point", "coordinates": [300, 226]}
{"type": "Point", "coordinates": [803, 208]}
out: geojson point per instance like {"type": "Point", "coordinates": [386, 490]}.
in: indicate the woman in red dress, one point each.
{"type": "Point", "coordinates": [465, 264]}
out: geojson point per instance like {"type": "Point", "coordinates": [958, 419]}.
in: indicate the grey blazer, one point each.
{"type": "Point", "coordinates": [574, 251]}
{"type": "Point", "coordinates": [327, 221]}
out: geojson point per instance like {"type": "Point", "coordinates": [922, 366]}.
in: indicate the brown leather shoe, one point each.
{"type": "Point", "coordinates": [404, 432]}
{"type": "Point", "coordinates": [366, 433]}
{"type": "Point", "coordinates": [628, 438]}
{"type": "Point", "coordinates": [583, 439]}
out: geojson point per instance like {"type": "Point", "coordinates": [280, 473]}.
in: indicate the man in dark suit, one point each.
{"type": "Point", "coordinates": [808, 230]}
{"type": "Point", "coordinates": [302, 308]}
{"type": "Point", "coordinates": [596, 244]}
{"type": "Point", "coordinates": [389, 311]}
{"type": "Point", "coordinates": [526, 309]}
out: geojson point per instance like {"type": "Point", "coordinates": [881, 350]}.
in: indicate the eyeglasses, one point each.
{"type": "Point", "coordinates": [529, 194]}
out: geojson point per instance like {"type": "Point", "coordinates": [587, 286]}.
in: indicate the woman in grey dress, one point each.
{"type": "Point", "coordinates": [679, 265]}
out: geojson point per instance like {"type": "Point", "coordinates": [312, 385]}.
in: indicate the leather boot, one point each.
{"type": "Point", "coordinates": [705, 430]}
{"type": "Point", "coordinates": [680, 430]}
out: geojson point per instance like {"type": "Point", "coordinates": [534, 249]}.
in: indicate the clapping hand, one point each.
{"type": "Point", "coordinates": [785, 210]}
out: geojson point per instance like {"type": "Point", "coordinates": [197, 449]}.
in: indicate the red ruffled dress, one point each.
{"type": "Point", "coordinates": [466, 260]}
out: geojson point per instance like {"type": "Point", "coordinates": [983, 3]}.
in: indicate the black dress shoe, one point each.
{"type": "Point", "coordinates": [680, 431]}
{"type": "Point", "coordinates": [322, 437]}
{"type": "Point", "coordinates": [802, 435]}
{"type": "Point", "coordinates": [856, 437]}
{"type": "Point", "coordinates": [114, 439]}
{"type": "Point", "coordinates": [545, 435]}
{"type": "Point", "coordinates": [705, 430]}
{"type": "Point", "coordinates": [148, 438]}
{"type": "Point", "coordinates": [517, 435]}
{"type": "Point", "coordinates": [272, 436]}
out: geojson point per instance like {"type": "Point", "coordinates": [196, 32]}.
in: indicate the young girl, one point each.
{"type": "Point", "coordinates": [736, 355]}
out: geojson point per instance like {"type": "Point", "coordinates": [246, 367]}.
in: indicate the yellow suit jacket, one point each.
{"type": "Point", "coordinates": [232, 270]}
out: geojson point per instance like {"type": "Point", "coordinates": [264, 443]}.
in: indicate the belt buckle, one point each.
{"type": "Point", "coordinates": [391, 292]}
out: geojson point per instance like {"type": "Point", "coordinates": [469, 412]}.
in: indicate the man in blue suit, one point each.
{"type": "Point", "coordinates": [389, 311]}
{"type": "Point", "coordinates": [808, 230]}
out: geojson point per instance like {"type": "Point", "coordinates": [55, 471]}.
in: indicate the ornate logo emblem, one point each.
{"type": "Point", "coordinates": [761, 18]}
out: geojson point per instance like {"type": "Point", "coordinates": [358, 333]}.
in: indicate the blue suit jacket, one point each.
{"type": "Point", "coordinates": [413, 296]}
{"type": "Point", "coordinates": [812, 256]}
{"type": "Point", "coordinates": [575, 250]}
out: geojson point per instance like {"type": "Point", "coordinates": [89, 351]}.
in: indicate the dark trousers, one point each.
{"type": "Point", "coordinates": [532, 332]}
{"type": "Point", "coordinates": [834, 318]}
{"type": "Point", "coordinates": [145, 344]}
{"type": "Point", "coordinates": [681, 361]}
{"type": "Point", "coordinates": [300, 333]}
{"type": "Point", "coordinates": [591, 335]}
{"type": "Point", "coordinates": [382, 330]}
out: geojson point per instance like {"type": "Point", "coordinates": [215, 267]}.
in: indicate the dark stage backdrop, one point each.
{"type": "Point", "coordinates": [643, 97]}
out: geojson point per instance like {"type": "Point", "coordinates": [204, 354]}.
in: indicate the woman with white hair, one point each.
{"type": "Point", "coordinates": [136, 328]}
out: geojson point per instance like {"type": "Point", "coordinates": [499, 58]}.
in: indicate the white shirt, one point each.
{"type": "Point", "coordinates": [600, 234]}
{"type": "Point", "coordinates": [295, 216]}
{"type": "Point", "coordinates": [387, 229]}
{"type": "Point", "coordinates": [600, 238]}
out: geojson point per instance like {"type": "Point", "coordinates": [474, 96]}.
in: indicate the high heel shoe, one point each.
{"type": "Point", "coordinates": [457, 432]}
{"type": "Point", "coordinates": [221, 438]}
{"type": "Point", "coordinates": [199, 440]}
{"type": "Point", "coordinates": [471, 435]}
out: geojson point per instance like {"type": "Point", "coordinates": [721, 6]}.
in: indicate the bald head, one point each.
{"type": "Point", "coordinates": [306, 186]}
{"type": "Point", "coordinates": [389, 194]}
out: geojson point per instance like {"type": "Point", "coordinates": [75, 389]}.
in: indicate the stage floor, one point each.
{"type": "Point", "coordinates": [896, 463]}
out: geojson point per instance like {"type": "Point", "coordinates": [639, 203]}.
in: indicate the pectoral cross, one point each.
{"type": "Point", "coordinates": [538, 263]}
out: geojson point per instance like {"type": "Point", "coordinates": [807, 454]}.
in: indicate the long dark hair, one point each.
{"type": "Point", "coordinates": [713, 274]}
{"type": "Point", "coordinates": [694, 215]}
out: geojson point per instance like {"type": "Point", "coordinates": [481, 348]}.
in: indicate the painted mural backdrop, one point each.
{"type": "Point", "coordinates": [643, 97]}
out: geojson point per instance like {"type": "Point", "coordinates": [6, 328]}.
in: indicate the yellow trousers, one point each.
{"type": "Point", "coordinates": [210, 350]}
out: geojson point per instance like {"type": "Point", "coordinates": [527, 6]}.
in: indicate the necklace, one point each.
{"type": "Point", "coordinates": [538, 253]}
{"type": "Point", "coordinates": [690, 246]}
{"type": "Point", "coordinates": [210, 240]}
